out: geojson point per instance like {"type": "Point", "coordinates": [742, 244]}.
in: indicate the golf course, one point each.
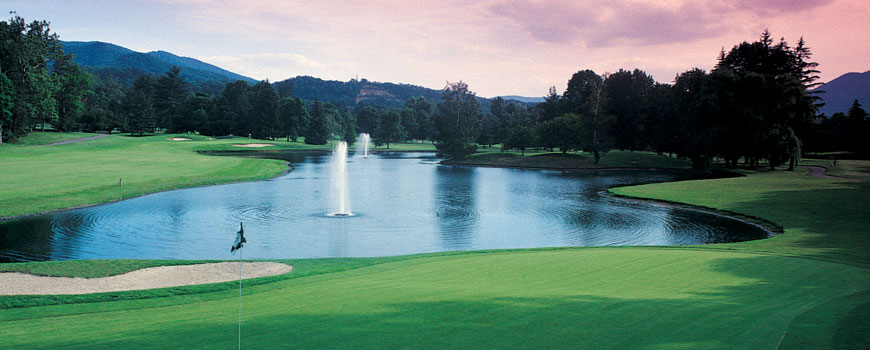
{"type": "Point", "coordinates": [805, 288]}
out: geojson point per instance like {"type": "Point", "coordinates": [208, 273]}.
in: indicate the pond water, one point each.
{"type": "Point", "coordinates": [402, 203]}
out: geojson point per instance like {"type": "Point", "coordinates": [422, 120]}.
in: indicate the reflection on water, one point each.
{"type": "Point", "coordinates": [404, 203]}
{"type": "Point", "coordinates": [455, 208]}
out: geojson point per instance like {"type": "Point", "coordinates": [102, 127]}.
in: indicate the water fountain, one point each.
{"type": "Point", "coordinates": [340, 205]}
{"type": "Point", "coordinates": [363, 145]}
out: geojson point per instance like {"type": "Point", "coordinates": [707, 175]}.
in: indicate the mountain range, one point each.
{"type": "Point", "coordinates": [109, 60]}
{"type": "Point", "coordinates": [839, 93]}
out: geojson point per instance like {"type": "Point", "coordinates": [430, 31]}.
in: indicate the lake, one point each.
{"type": "Point", "coordinates": [403, 203]}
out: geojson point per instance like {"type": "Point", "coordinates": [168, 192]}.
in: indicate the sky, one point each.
{"type": "Point", "coordinates": [497, 47]}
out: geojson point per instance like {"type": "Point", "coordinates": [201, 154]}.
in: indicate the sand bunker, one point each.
{"type": "Point", "coordinates": [16, 283]}
{"type": "Point", "coordinates": [179, 139]}
{"type": "Point", "coordinates": [254, 145]}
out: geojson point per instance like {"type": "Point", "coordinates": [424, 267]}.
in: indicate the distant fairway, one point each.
{"type": "Point", "coordinates": [808, 288]}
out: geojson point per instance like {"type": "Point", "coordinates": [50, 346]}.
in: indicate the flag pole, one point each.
{"type": "Point", "coordinates": [240, 299]}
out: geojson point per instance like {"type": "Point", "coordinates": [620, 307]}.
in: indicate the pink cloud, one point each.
{"type": "Point", "coordinates": [773, 7]}
{"type": "Point", "coordinates": [602, 23]}
{"type": "Point", "coordinates": [608, 23]}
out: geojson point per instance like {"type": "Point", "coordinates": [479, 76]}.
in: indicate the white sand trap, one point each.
{"type": "Point", "coordinates": [254, 145]}
{"type": "Point", "coordinates": [16, 283]}
{"type": "Point", "coordinates": [180, 139]}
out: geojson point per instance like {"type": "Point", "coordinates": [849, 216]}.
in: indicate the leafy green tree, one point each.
{"type": "Point", "coordinates": [422, 109]}
{"type": "Point", "coordinates": [457, 122]}
{"type": "Point", "coordinates": [74, 83]}
{"type": "Point", "coordinates": [409, 122]}
{"type": "Point", "coordinates": [490, 126]}
{"type": "Point", "coordinates": [858, 138]}
{"type": "Point", "coordinates": [389, 128]}
{"type": "Point", "coordinates": [41, 101]}
{"type": "Point", "coordinates": [194, 111]}
{"type": "Point", "coordinates": [349, 128]}
{"type": "Point", "coordinates": [292, 117]}
{"type": "Point", "coordinates": [103, 107]}
{"type": "Point", "coordinates": [562, 132]}
{"type": "Point", "coordinates": [521, 137]}
{"type": "Point", "coordinates": [318, 129]}
{"type": "Point", "coordinates": [697, 134]}
{"type": "Point", "coordinates": [367, 118]}
{"type": "Point", "coordinates": [26, 52]}
{"type": "Point", "coordinates": [7, 98]}
{"type": "Point", "coordinates": [628, 94]}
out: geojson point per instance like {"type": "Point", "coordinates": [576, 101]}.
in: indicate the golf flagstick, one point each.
{"type": "Point", "coordinates": [240, 300]}
{"type": "Point", "coordinates": [237, 245]}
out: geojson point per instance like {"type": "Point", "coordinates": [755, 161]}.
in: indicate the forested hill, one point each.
{"type": "Point", "coordinates": [354, 91]}
{"type": "Point", "coordinates": [108, 60]}
{"type": "Point", "coordinates": [842, 91]}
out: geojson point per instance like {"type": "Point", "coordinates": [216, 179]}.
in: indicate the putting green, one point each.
{"type": "Point", "coordinates": [578, 298]}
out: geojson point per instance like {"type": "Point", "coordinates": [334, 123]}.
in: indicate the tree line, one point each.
{"type": "Point", "coordinates": [753, 106]}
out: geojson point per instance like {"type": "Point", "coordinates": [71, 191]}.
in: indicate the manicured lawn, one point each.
{"type": "Point", "coordinates": [588, 298]}
{"type": "Point", "coordinates": [37, 179]}
{"type": "Point", "coordinates": [808, 288]}
{"type": "Point", "coordinates": [824, 218]}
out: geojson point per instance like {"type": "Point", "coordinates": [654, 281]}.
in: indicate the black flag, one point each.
{"type": "Point", "coordinates": [240, 238]}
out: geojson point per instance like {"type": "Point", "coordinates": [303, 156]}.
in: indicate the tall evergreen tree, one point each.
{"type": "Point", "coordinates": [318, 128]}
{"type": "Point", "coordinates": [264, 111]}
{"type": "Point", "coordinates": [170, 95]}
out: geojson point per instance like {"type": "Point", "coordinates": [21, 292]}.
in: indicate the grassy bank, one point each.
{"type": "Point", "coordinates": [38, 179]}
{"type": "Point", "coordinates": [824, 218]}
{"type": "Point", "coordinates": [572, 160]}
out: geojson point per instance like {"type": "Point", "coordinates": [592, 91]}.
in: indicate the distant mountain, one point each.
{"type": "Point", "coordinates": [524, 99]}
{"type": "Point", "coordinates": [842, 91]}
{"type": "Point", "coordinates": [105, 60]}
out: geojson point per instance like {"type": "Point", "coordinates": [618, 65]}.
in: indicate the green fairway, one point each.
{"type": "Point", "coordinates": [807, 288]}
{"type": "Point", "coordinates": [588, 298]}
